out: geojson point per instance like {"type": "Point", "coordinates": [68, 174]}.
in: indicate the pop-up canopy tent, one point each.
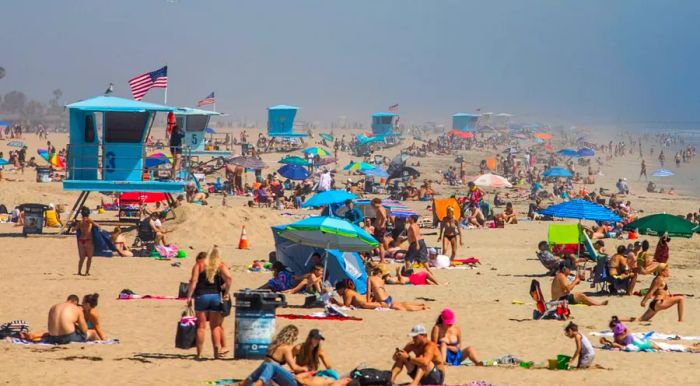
{"type": "Point", "coordinates": [339, 265]}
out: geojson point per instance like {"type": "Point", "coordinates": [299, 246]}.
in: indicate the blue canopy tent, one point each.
{"type": "Point", "coordinates": [383, 124]}
{"type": "Point", "coordinates": [464, 122]}
{"type": "Point", "coordinates": [339, 265]}
{"type": "Point", "coordinates": [280, 121]}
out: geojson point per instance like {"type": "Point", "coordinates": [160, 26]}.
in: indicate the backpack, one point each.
{"type": "Point", "coordinates": [13, 329]}
{"type": "Point", "coordinates": [371, 377]}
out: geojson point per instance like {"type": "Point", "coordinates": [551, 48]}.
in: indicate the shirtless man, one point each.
{"type": "Point", "coordinates": [426, 366]}
{"type": "Point", "coordinates": [417, 250]}
{"type": "Point", "coordinates": [86, 246]}
{"type": "Point", "coordinates": [561, 288]}
{"type": "Point", "coordinates": [380, 223]}
{"type": "Point", "coordinates": [67, 322]}
{"type": "Point", "coordinates": [620, 270]}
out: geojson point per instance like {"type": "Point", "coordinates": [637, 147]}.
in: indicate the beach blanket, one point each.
{"type": "Point", "coordinates": [665, 347]}
{"type": "Point", "coordinates": [102, 241]}
{"type": "Point", "coordinates": [318, 316]}
{"type": "Point", "coordinates": [653, 335]}
{"type": "Point", "coordinates": [29, 342]}
{"type": "Point", "coordinates": [148, 297]}
{"type": "Point", "coordinates": [223, 381]}
{"type": "Point", "coordinates": [167, 252]}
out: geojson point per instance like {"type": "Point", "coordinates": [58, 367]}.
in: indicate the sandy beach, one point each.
{"type": "Point", "coordinates": [39, 271]}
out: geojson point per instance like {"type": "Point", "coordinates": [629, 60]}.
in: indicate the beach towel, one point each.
{"type": "Point", "coordinates": [167, 251]}
{"type": "Point", "coordinates": [102, 241]}
{"type": "Point", "coordinates": [318, 316]}
{"type": "Point", "coordinates": [42, 343]}
{"type": "Point", "coordinates": [665, 347]}
{"type": "Point", "coordinates": [148, 297]}
{"type": "Point", "coordinates": [649, 335]}
{"type": "Point", "coordinates": [468, 261]}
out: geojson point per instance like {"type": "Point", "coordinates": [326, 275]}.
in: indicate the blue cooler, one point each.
{"type": "Point", "coordinates": [255, 322]}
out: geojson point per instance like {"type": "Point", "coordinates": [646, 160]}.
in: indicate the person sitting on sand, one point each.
{"type": "Point", "coordinates": [475, 217]}
{"type": "Point", "coordinates": [448, 336]}
{"type": "Point", "coordinates": [311, 282]}
{"type": "Point", "coordinates": [282, 280]}
{"type": "Point", "coordinates": [408, 278]}
{"type": "Point", "coordinates": [561, 288]}
{"type": "Point", "coordinates": [584, 354]}
{"type": "Point", "coordinates": [645, 261]}
{"type": "Point", "coordinates": [376, 292]}
{"type": "Point", "coordinates": [510, 216]}
{"type": "Point", "coordinates": [351, 298]}
{"type": "Point", "coordinates": [157, 226]}
{"type": "Point", "coordinates": [622, 337]}
{"type": "Point", "coordinates": [67, 322]}
{"type": "Point", "coordinates": [662, 299]}
{"type": "Point", "coordinates": [53, 217]}
{"type": "Point", "coordinates": [278, 354]}
{"type": "Point", "coordinates": [92, 318]}
{"type": "Point", "coordinates": [619, 270]}
{"type": "Point", "coordinates": [120, 242]}
{"type": "Point", "coordinates": [310, 354]}
{"type": "Point", "coordinates": [426, 367]}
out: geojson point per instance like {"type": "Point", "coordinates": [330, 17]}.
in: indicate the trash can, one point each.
{"type": "Point", "coordinates": [33, 218]}
{"type": "Point", "coordinates": [255, 322]}
{"type": "Point", "coordinates": [43, 174]}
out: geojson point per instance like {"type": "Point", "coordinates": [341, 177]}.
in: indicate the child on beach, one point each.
{"type": "Point", "coordinates": [584, 349]}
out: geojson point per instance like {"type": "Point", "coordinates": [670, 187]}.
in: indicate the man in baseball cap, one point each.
{"type": "Point", "coordinates": [425, 366]}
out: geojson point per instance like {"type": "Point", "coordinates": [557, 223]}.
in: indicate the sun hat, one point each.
{"type": "Point", "coordinates": [447, 316]}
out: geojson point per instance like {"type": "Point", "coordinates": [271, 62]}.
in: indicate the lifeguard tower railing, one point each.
{"type": "Point", "coordinates": [115, 167]}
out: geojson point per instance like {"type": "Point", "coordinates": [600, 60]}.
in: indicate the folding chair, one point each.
{"type": "Point", "coordinates": [556, 309]}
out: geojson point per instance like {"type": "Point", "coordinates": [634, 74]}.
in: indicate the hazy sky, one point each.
{"type": "Point", "coordinates": [582, 62]}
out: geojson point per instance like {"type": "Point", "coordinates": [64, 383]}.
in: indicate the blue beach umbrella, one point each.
{"type": "Point", "coordinates": [375, 172]}
{"type": "Point", "coordinates": [557, 172]}
{"type": "Point", "coordinates": [209, 130]}
{"type": "Point", "coordinates": [293, 172]}
{"type": "Point", "coordinates": [3, 162]}
{"type": "Point", "coordinates": [329, 233]}
{"type": "Point", "coordinates": [586, 152]}
{"type": "Point", "coordinates": [662, 173]}
{"type": "Point", "coordinates": [568, 153]}
{"type": "Point", "coordinates": [327, 198]}
{"type": "Point", "coordinates": [581, 210]}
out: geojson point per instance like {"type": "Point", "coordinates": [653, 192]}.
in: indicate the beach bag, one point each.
{"type": "Point", "coordinates": [226, 305]}
{"type": "Point", "coordinates": [182, 290]}
{"type": "Point", "coordinates": [186, 336]}
{"type": "Point", "coordinates": [372, 377]}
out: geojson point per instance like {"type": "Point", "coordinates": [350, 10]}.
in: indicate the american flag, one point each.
{"type": "Point", "coordinates": [209, 100]}
{"type": "Point", "coordinates": [144, 82]}
{"type": "Point", "coordinates": [394, 108]}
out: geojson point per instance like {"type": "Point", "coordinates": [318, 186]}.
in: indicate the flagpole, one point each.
{"type": "Point", "coordinates": [165, 96]}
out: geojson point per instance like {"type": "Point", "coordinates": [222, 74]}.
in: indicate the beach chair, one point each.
{"type": "Point", "coordinates": [592, 254]}
{"type": "Point", "coordinates": [556, 309]}
{"type": "Point", "coordinates": [146, 237]}
{"type": "Point", "coordinates": [601, 278]}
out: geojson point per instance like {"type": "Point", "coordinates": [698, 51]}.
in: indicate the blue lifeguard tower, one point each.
{"type": "Point", "coordinates": [464, 122]}
{"type": "Point", "coordinates": [106, 148]}
{"type": "Point", "coordinates": [280, 122]}
{"type": "Point", "coordinates": [383, 127]}
{"type": "Point", "coordinates": [194, 122]}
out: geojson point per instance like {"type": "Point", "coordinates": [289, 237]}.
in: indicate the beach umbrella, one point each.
{"type": "Point", "coordinates": [294, 160]}
{"type": "Point", "coordinates": [329, 233]}
{"type": "Point", "coordinates": [586, 152]}
{"type": "Point", "coordinates": [539, 141]}
{"type": "Point", "coordinates": [581, 210]}
{"type": "Point", "coordinates": [568, 153]}
{"type": "Point", "coordinates": [156, 160]}
{"type": "Point", "coordinates": [375, 172]}
{"type": "Point", "coordinates": [3, 162]}
{"type": "Point", "coordinates": [405, 171]}
{"type": "Point", "coordinates": [492, 181]}
{"type": "Point", "coordinates": [209, 130]}
{"type": "Point", "coordinates": [557, 172]}
{"type": "Point", "coordinates": [461, 134]}
{"type": "Point", "coordinates": [358, 166]}
{"type": "Point", "coordinates": [327, 198]}
{"type": "Point", "coordinates": [327, 137]}
{"type": "Point", "coordinates": [293, 172]}
{"type": "Point", "coordinates": [658, 224]}
{"type": "Point", "coordinates": [543, 136]}
{"type": "Point", "coordinates": [317, 150]}
{"type": "Point", "coordinates": [363, 140]}
{"type": "Point", "coordinates": [248, 162]}
{"type": "Point", "coordinates": [52, 159]}
{"type": "Point", "coordinates": [662, 173]}
{"type": "Point", "coordinates": [147, 197]}
{"type": "Point", "coordinates": [15, 144]}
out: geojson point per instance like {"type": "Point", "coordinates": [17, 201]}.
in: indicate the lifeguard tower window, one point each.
{"type": "Point", "coordinates": [197, 122]}
{"type": "Point", "coordinates": [384, 120]}
{"type": "Point", "coordinates": [125, 127]}
{"type": "Point", "coordinates": [89, 129]}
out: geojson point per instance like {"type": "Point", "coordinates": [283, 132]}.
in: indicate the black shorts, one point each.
{"type": "Point", "coordinates": [569, 298]}
{"type": "Point", "coordinates": [75, 336]}
{"type": "Point", "coordinates": [175, 150]}
{"type": "Point", "coordinates": [434, 377]}
{"type": "Point", "coordinates": [417, 252]}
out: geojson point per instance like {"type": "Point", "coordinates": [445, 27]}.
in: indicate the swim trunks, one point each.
{"type": "Point", "coordinates": [417, 252]}
{"type": "Point", "coordinates": [75, 336]}
{"type": "Point", "coordinates": [569, 298]}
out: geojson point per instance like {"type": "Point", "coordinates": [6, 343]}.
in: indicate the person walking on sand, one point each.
{"type": "Point", "coordinates": [86, 245]}
{"type": "Point", "coordinates": [380, 223]}
{"type": "Point", "coordinates": [417, 250]}
{"type": "Point", "coordinates": [449, 231]}
{"type": "Point", "coordinates": [643, 171]}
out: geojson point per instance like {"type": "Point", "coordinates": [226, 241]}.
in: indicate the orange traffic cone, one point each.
{"type": "Point", "coordinates": [243, 242]}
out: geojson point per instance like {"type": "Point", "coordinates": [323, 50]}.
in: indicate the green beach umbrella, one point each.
{"type": "Point", "coordinates": [658, 224]}
{"type": "Point", "coordinates": [327, 137]}
{"type": "Point", "coordinates": [294, 160]}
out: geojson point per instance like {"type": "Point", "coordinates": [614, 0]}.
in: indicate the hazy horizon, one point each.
{"type": "Point", "coordinates": [581, 63]}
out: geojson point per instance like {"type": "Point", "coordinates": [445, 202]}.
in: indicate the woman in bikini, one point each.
{"type": "Point", "coordinates": [278, 355]}
{"type": "Point", "coordinates": [86, 246]}
{"type": "Point", "coordinates": [449, 230]}
{"type": "Point", "coordinates": [662, 299]}
{"type": "Point", "coordinates": [509, 214]}
{"type": "Point", "coordinates": [92, 317]}
{"type": "Point", "coordinates": [448, 337]}
{"type": "Point", "coordinates": [120, 242]}
{"type": "Point", "coordinates": [376, 292]}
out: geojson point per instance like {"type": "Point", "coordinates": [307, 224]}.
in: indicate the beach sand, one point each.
{"type": "Point", "coordinates": [39, 271]}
